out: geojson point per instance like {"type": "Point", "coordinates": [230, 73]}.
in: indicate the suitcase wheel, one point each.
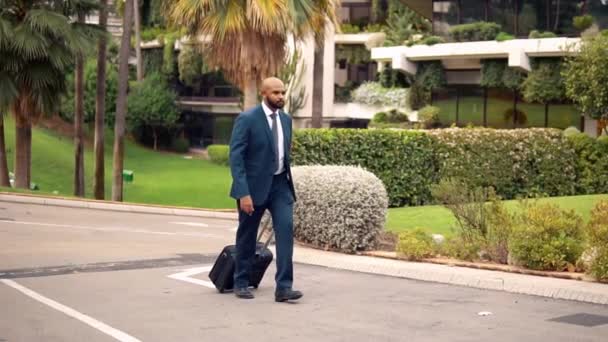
{"type": "Point", "coordinates": [221, 291]}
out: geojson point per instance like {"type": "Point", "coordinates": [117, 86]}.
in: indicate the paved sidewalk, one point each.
{"type": "Point", "coordinates": [117, 206]}
{"type": "Point", "coordinates": [484, 279]}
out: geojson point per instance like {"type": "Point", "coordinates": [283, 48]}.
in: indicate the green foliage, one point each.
{"type": "Point", "coordinates": [379, 151]}
{"type": "Point", "coordinates": [222, 129]}
{"type": "Point", "coordinates": [535, 34]}
{"type": "Point", "coordinates": [151, 105]}
{"type": "Point", "coordinates": [353, 53]}
{"type": "Point", "coordinates": [586, 75]}
{"type": "Point", "coordinates": [392, 116]}
{"type": "Point", "coordinates": [190, 64]}
{"type": "Point", "coordinates": [349, 28]}
{"type": "Point", "coordinates": [152, 60]}
{"type": "Point", "coordinates": [429, 116]}
{"type": "Point", "coordinates": [402, 23]}
{"type": "Point", "coordinates": [219, 154]}
{"type": "Point", "coordinates": [592, 164]}
{"type": "Point", "coordinates": [483, 223]}
{"type": "Point", "coordinates": [180, 145]}
{"type": "Point", "coordinates": [393, 78]}
{"type": "Point", "coordinates": [168, 67]}
{"type": "Point", "coordinates": [495, 73]}
{"type": "Point", "coordinates": [570, 131]}
{"type": "Point", "coordinates": [432, 40]}
{"type": "Point", "coordinates": [547, 238]}
{"type": "Point", "coordinates": [151, 33]}
{"type": "Point", "coordinates": [343, 94]}
{"type": "Point", "coordinates": [523, 162]}
{"type": "Point", "coordinates": [473, 32]}
{"type": "Point", "coordinates": [430, 75]}
{"type": "Point", "coordinates": [597, 236]}
{"type": "Point", "coordinates": [503, 36]}
{"type": "Point", "coordinates": [415, 245]}
{"type": "Point", "coordinates": [90, 94]}
{"type": "Point", "coordinates": [582, 22]}
{"type": "Point", "coordinates": [418, 97]}
{"type": "Point", "coordinates": [374, 28]}
{"type": "Point", "coordinates": [544, 83]}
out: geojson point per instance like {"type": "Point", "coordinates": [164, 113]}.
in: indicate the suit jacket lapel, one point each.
{"type": "Point", "coordinates": [264, 122]}
{"type": "Point", "coordinates": [286, 132]}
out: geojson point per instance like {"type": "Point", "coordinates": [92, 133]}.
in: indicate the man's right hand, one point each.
{"type": "Point", "coordinates": [246, 204]}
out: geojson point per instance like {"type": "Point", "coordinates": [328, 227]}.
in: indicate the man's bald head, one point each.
{"type": "Point", "coordinates": [273, 91]}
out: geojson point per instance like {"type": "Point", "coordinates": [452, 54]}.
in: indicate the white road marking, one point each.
{"type": "Point", "coordinates": [192, 224]}
{"type": "Point", "coordinates": [187, 274]}
{"type": "Point", "coordinates": [106, 329]}
{"type": "Point", "coordinates": [115, 229]}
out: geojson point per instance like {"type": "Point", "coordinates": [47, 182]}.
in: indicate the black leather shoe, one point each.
{"type": "Point", "coordinates": [243, 293]}
{"type": "Point", "coordinates": [287, 294]}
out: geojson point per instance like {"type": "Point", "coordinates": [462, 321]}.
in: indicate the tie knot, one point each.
{"type": "Point", "coordinates": [273, 115]}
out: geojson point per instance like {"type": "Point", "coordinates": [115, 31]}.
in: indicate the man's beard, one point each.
{"type": "Point", "coordinates": [276, 105]}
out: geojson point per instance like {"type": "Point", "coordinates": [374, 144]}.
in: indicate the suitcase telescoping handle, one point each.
{"type": "Point", "coordinates": [265, 227]}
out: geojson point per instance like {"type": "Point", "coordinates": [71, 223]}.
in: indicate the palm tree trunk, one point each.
{"type": "Point", "coordinates": [100, 107]}
{"type": "Point", "coordinates": [121, 103]}
{"type": "Point", "coordinates": [317, 89]}
{"type": "Point", "coordinates": [4, 180]}
{"type": "Point", "coordinates": [140, 68]}
{"type": "Point", "coordinates": [78, 123]}
{"type": "Point", "coordinates": [250, 93]}
{"type": "Point", "coordinates": [557, 10]}
{"type": "Point", "coordinates": [23, 145]}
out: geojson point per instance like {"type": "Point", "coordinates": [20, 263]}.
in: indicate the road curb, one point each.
{"type": "Point", "coordinates": [118, 206]}
{"type": "Point", "coordinates": [556, 288]}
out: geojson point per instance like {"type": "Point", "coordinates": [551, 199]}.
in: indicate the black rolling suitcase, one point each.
{"type": "Point", "coordinates": [222, 273]}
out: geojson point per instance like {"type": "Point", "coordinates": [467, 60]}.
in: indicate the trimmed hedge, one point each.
{"type": "Point", "coordinates": [473, 32]}
{"type": "Point", "coordinates": [592, 163]}
{"type": "Point", "coordinates": [523, 162]}
{"type": "Point", "coordinates": [219, 154]}
{"type": "Point", "coordinates": [403, 160]}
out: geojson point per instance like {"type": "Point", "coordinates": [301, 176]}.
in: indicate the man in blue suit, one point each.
{"type": "Point", "coordinates": [259, 163]}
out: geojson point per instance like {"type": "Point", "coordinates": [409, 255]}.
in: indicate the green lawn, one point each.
{"type": "Point", "coordinates": [159, 178]}
{"type": "Point", "coordinates": [437, 219]}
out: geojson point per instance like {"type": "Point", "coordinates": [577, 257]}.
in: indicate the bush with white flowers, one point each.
{"type": "Point", "coordinates": [338, 207]}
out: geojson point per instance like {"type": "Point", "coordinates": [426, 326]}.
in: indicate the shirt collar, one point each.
{"type": "Point", "coordinates": [267, 109]}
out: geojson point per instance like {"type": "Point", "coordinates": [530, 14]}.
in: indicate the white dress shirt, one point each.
{"type": "Point", "coordinates": [281, 146]}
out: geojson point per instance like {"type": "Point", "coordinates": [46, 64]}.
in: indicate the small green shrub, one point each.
{"type": "Point", "coordinates": [472, 32]}
{"type": "Point", "coordinates": [219, 154]}
{"type": "Point", "coordinates": [582, 22]}
{"type": "Point", "coordinates": [597, 235]}
{"type": "Point", "coordinates": [592, 164]}
{"type": "Point", "coordinates": [432, 40]}
{"type": "Point", "coordinates": [456, 247]}
{"type": "Point", "coordinates": [415, 245]}
{"type": "Point", "coordinates": [417, 96]}
{"type": "Point", "coordinates": [535, 34]}
{"type": "Point", "coordinates": [429, 116]}
{"type": "Point", "coordinates": [503, 36]}
{"type": "Point", "coordinates": [570, 131]}
{"type": "Point", "coordinates": [520, 116]}
{"type": "Point", "coordinates": [547, 238]}
{"type": "Point", "coordinates": [380, 117]}
{"type": "Point", "coordinates": [374, 28]}
{"type": "Point", "coordinates": [180, 145]}
{"type": "Point", "coordinates": [348, 28]}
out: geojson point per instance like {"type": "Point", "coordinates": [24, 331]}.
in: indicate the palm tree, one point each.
{"type": "Point", "coordinates": [121, 102]}
{"type": "Point", "coordinates": [100, 106]}
{"type": "Point", "coordinates": [4, 180]}
{"type": "Point", "coordinates": [139, 61]}
{"type": "Point", "coordinates": [248, 37]}
{"type": "Point", "coordinates": [38, 43]}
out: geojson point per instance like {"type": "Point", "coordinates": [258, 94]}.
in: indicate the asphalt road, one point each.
{"type": "Point", "coordinates": [86, 275]}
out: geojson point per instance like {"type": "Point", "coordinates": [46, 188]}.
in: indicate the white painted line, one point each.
{"type": "Point", "coordinates": [106, 329]}
{"type": "Point", "coordinates": [192, 224]}
{"type": "Point", "coordinates": [115, 229]}
{"type": "Point", "coordinates": [187, 274]}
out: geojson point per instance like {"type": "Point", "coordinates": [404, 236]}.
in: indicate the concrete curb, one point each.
{"type": "Point", "coordinates": [118, 206]}
{"type": "Point", "coordinates": [556, 288]}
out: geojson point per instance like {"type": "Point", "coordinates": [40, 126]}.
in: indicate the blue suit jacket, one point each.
{"type": "Point", "coordinates": [252, 156]}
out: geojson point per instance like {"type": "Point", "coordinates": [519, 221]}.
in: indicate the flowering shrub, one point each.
{"type": "Point", "coordinates": [597, 233]}
{"type": "Point", "coordinates": [373, 93]}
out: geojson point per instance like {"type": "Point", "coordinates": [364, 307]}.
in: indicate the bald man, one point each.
{"type": "Point", "coordinates": [261, 180]}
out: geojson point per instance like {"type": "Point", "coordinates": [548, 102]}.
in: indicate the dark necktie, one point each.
{"type": "Point", "coordinates": [275, 135]}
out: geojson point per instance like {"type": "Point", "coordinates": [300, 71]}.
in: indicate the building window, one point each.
{"type": "Point", "coordinates": [470, 106]}
{"type": "Point", "coordinates": [500, 105]}
{"type": "Point", "coordinates": [447, 102]}
{"type": "Point", "coordinates": [563, 115]}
